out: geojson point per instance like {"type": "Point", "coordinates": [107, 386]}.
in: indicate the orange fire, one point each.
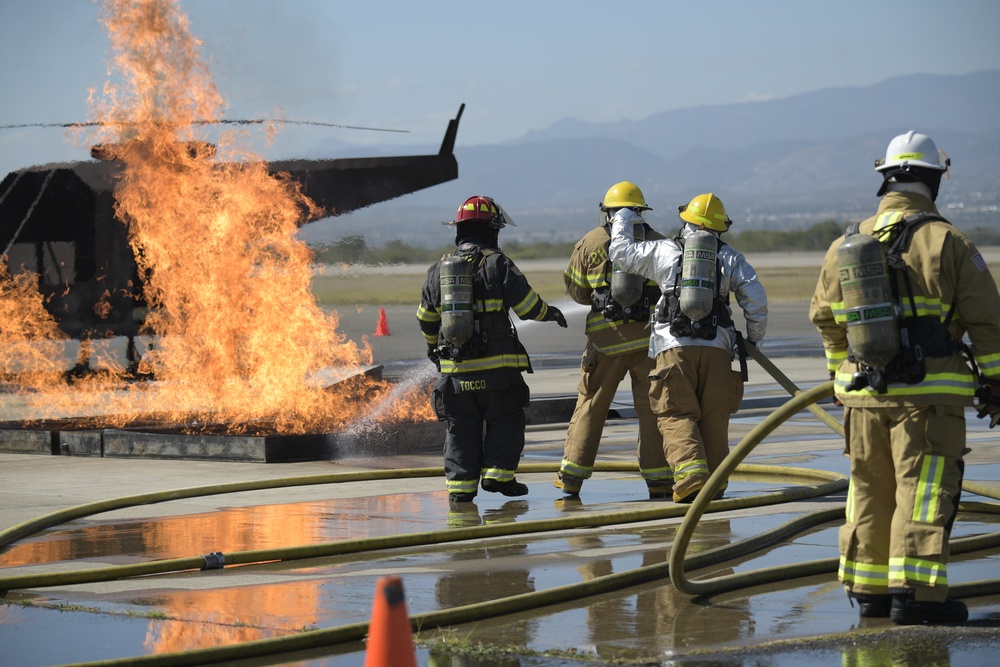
{"type": "Point", "coordinates": [237, 332]}
{"type": "Point", "coordinates": [29, 329]}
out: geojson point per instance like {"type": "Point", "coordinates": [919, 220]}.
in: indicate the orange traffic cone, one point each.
{"type": "Point", "coordinates": [383, 324]}
{"type": "Point", "coordinates": [390, 642]}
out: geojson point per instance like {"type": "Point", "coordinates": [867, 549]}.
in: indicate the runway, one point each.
{"type": "Point", "coordinates": [807, 621]}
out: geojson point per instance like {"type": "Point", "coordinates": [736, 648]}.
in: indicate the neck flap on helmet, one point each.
{"type": "Point", "coordinates": [477, 233]}
{"type": "Point", "coordinates": [910, 174]}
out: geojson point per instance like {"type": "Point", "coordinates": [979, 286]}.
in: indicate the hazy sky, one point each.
{"type": "Point", "coordinates": [517, 65]}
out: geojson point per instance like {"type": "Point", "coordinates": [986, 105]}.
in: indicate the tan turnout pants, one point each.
{"type": "Point", "coordinates": [693, 392]}
{"type": "Point", "coordinates": [906, 477]}
{"type": "Point", "coordinates": [600, 376]}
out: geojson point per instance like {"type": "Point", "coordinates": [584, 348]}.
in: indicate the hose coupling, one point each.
{"type": "Point", "coordinates": [214, 561]}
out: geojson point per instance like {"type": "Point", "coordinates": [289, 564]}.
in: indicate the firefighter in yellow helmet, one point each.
{"type": "Point", "coordinates": [693, 389]}
{"type": "Point", "coordinates": [617, 332]}
{"type": "Point", "coordinates": [464, 316]}
{"type": "Point", "coordinates": [895, 296]}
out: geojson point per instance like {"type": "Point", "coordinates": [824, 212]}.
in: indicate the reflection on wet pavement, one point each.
{"type": "Point", "coordinates": [188, 610]}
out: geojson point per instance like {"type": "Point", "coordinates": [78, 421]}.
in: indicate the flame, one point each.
{"type": "Point", "coordinates": [30, 330]}
{"type": "Point", "coordinates": [237, 330]}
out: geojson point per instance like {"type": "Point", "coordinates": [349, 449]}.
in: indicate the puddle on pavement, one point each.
{"type": "Point", "coordinates": [231, 529]}
{"type": "Point", "coordinates": [201, 609]}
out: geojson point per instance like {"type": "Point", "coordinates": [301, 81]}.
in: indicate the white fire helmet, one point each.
{"type": "Point", "coordinates": [913, 150]}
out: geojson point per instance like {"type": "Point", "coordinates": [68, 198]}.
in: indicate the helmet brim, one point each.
{"type": "Point", "coordinates": [615, 208]}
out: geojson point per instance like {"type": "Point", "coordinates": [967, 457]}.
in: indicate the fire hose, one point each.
{"type": "Point", "coordinates": [675, 568]}
{"type": "Point", "coordinates": [784, 572]}
{"type": "Point", "coordinates": [833, 482]}
{"type": "Point", "coordinates": [826, 483]}
{"type": "Point", "coordinates": [528, 601]}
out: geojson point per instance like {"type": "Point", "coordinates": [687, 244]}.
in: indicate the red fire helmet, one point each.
{"type": "Point", "coordinates": [481, 209]}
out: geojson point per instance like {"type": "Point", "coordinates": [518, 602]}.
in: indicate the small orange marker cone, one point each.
{"type": "Point", "coordinates": [383, 324]}
{"type": "Point", "coordinates": [390, 641]}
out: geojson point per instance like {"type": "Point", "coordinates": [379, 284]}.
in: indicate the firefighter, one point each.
{"type": "Point", "coordinates": [464, 315]}
{"type": "Point", "coordinates": [617, 344]}
{"type": "Point", "coordinates": [904, 418]}
{"type": "Point", "coordinates": [693, 389]}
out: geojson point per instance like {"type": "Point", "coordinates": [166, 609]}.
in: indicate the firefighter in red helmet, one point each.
{"type": "Point", "coordinates": [464, 315]}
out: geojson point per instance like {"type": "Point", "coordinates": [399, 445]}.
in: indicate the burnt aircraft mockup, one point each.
{"type": "Point", "coordinates": [58, 220]}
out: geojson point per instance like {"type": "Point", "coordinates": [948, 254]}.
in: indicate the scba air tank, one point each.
{"type": "Point", "coordinates": [626, 288]}
{"type": "Point", "coordinates": [698, 273]}
{"type": "Point", "coordinates": [872, 332]}
{"type": "Point", "coordinates": [457, 313]}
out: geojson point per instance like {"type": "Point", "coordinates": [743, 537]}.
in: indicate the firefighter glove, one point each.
{"type": "Point", "coordinates": [434, 355]}
{"type": "Point", "coordinates": [988, 401]}
{"type": "Point", "coordinates": [555, 315]}
{"type": "Point", "coordinates": [627, 216]}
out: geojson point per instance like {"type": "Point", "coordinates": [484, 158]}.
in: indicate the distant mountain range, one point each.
{"type": "Point", "coordinates": [779, 164]}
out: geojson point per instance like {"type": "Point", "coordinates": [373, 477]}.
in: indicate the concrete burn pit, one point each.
{"type": "Point", "coordinates": [149, 436]}
{"type": "Point", "coordinates": [147, 439]}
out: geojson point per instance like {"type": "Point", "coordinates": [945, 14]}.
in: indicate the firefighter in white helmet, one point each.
{"type": "Point", "coordinates": [617, 332]}
{"type": "Point", "coordinates": [694, 389]}
{"type": "Point", "coordinates": [904, 403]}
{"type": "Point", "coordinates": [464, 316]}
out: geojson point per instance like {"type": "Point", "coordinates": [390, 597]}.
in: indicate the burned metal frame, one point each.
{"type": "Point", "coordinates": [57, 220]}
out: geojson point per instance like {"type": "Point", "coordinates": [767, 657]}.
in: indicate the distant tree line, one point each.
{"type": "Point", "coordinates": [984, 236]}
{"type": "Point", "coordinates": [818, 237]}
{"type": "Point", "coordinates": [354, 250]}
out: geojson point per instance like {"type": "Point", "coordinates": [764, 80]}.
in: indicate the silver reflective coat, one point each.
{"type": "Point", "coordinates": [661, 261]}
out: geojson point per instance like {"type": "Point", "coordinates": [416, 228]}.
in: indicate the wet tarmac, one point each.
{"type": "Point", "coordinates": [802, 621]}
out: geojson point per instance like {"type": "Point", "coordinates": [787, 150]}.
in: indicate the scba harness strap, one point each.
{"type": "Point", "coordinates": [487, 323]}
{"type": "Point", "coordinates": [604, 303]}
{"type": "Point", "coordinates": [920, 336]}
{"type": "Point", "coordinates": [476, 345]}
{"type": "Point", "coordinates": [706, 328]}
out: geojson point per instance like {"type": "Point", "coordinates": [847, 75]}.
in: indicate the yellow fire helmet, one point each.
{"type": "Point", "coordinates": [706, 211]}
{"type": "Point", "coordinates": [624, 195]}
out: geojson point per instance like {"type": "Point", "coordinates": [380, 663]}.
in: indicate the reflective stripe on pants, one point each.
{"type": "Point", "coordinates": [905, 482]}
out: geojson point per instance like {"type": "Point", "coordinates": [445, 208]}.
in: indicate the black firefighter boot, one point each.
{"type": "Point", "coordinates": [508, 488]}
{"type": "Point", "coordinates": [906, 610]}
{"type": "Point", "coordinates": [871, 605]}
